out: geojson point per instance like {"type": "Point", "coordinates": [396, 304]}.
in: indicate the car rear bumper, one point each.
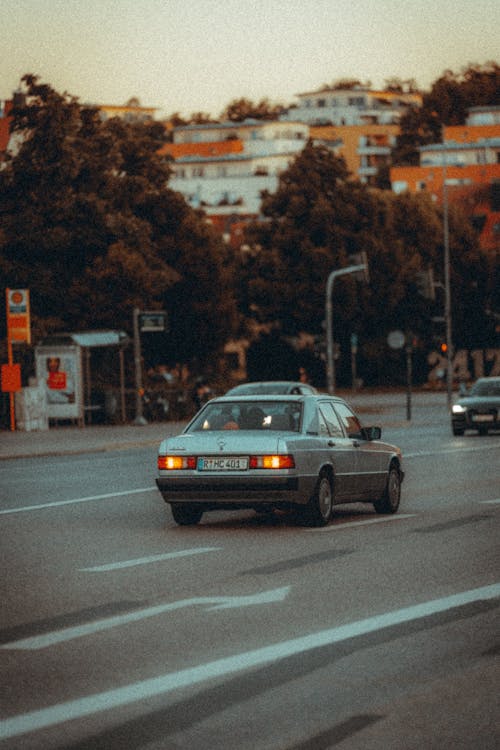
{"type": "Point", "coordinates": [223, 490]}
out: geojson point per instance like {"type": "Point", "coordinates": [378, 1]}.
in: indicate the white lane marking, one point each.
{"type": "Point", "coordinates": [352, 524]}
{"type": "Point", "coordinates": [150, 688]}
{"type": "Point", "coordinates": [151, 559]}
{"type": "Point", "coordinates": [57, 503]}
{"type": "Point", "coordinates": [490, 502]}
{"type": "Point", "coordinates": [463, 449]}
{"type": "Point", "coordinates": [211, 603]}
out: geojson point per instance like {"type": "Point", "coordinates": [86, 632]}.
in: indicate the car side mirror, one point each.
{"type": "Point", "coordinates": [371, 433]}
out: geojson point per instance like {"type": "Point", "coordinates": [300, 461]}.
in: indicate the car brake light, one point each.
{"type": "Point", "coordinates": [176, 462]}
{"type": "Point", "coordinates": [284, 461]}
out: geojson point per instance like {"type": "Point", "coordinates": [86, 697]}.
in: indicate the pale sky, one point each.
{"type": "Point", "coordinates": [198, 55]}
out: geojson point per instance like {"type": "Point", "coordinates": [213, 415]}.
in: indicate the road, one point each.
{"type": "Point", "coordinates": [120, 629]}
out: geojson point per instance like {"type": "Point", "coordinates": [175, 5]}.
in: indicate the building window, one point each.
{"type": "Point", "coordinates": [321, 103]}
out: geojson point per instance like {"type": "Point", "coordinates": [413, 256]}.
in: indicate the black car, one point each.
{"type": "Point", "coordinates": [479, 409]}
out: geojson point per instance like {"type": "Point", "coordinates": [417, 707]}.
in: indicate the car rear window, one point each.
{"type": "Point", "coordinates": [254, 415]}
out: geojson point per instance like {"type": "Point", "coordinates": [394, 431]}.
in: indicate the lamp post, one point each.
{"type": "Point", "coordinates": [447, 290]}
{"type": "Point", "coordinates": [330, 360]}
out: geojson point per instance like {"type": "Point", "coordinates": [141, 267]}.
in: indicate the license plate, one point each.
{"type": "Point", "coordinates": [222, 463]}
{"type": "Point", "coordinates": [482, 418]}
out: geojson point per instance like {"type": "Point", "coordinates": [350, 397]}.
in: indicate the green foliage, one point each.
{"type": "Point", "coordinates": [446, 103]}
{"type": "Point", "coordinates": [243, 109]}
{"type": "Point", "coordinates": [316, 219]}
{"type": "Point", "coordinates": [91, 227]}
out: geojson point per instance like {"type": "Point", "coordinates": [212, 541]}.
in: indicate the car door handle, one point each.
{"type": "Point", "coordinates": [356, 443]}
{"type": "Point", "coordinates": [331, 443]}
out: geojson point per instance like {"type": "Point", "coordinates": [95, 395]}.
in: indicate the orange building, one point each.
{"type": "Point", "coordinates": [365, 148]}
{"type": "Point", "coordinates": [5, 108]}
{"type": "Point", "coordinates": [467, 163]}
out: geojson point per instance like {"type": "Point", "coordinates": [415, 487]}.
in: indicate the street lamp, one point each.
{"type": "Point", "coordinates": [330, 360]}
{"type": "Point", "coordinates": [447, 290]}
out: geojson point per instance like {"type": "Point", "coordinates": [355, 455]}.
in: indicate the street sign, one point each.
{"type": "Point", "coordinates": [396, 339]}
{"type": "Point", "coordinates": [154, 321]}
{"type": "Point", "coordinates": [18, 316]}
{"type": "Point", "coordinates": [11, 378]}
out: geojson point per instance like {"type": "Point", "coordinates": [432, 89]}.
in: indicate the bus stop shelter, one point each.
{"type": "Point", "coordinates": [63, 363]}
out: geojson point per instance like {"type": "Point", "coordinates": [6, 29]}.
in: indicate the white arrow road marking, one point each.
{"type": "Point", "coordinates": [140, 691]}
{"type": "Point", "coordinates": [56, 503]}
{"type": "Point", "coordinates": [45, 640]}
{"type": "Point", "coordinates": [151, 559]}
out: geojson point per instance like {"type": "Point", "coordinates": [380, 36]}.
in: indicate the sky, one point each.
{"type": "Point", "coordinates": [191, 56]}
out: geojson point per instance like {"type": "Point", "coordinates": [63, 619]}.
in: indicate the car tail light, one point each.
{"type": "Point", "coordinates": [284, 461]}
{"type": "Point", "coordinates": [176, 462]}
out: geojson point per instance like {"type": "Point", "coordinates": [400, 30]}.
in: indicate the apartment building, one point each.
{"type": "Point", "coordinates": [224, 167]}
{"type": "Point", "coordinates": [132, 111]}
{"type": "Point", "coordinates": [467, 163]}
{"type": "Point", "coordinates": [358, 105]}
{"type": "Point", "coordinates": [5, 108]}
{"type": "Point", "coordinates": [365, 148]}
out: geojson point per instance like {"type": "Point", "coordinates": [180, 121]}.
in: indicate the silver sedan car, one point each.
{"type": "Point", "coordinates": [306, 452]}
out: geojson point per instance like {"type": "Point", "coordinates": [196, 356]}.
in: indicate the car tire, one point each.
{"type": "Point", "coordinates": [186, 515]}
{"type": "Point", "coordinates": [390, 499]}
{"type": "Point", "coordinates": [320, 506]}
{"type": "Point", "coordinates": [457, 431]}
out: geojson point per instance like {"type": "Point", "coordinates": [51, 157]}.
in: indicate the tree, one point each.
{"type": "Point", "coordinates": [315, 220]}
{"type": "Point", "coordinates": [242, 109]}
{"type": "Point", "coordinates": [91, 227]}
{"type": "Point", "coordinates": [447, 102]}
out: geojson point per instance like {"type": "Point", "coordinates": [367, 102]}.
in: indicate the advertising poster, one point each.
{"type": "Point", "coordinates": [59, 369]}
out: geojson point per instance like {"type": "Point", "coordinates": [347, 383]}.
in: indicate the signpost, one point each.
{"type": "Point", "coordinates": [18, 331]}
{"type": "Point", "coordinates": [396, 340]}
{"type": "Point", "coordinates": [145, 321]}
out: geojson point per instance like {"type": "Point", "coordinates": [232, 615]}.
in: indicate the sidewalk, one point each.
{"type": "Point", "coordinates": [67, 440]}
{"type": "Point", "coordinates": [385, 409]}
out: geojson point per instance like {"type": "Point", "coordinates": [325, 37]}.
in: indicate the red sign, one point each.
{"type": "Point", "coordinates": [11, 378]}
{"type": "Point", "coordinates": [18, 315]}
{"type": "Point", "coordinates": [56, 381]}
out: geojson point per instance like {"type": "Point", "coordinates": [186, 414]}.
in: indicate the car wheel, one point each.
{"type": "Point", "coordinates": [186, 515]}
{"type": "Point", "coordinates": [320, 506]}
{"type": "Point", "coordinates": [483, 431]}
{"type": "Point", "coordinates": [457, 431]}
{"type": "Point", "coordinates": [389, 502]}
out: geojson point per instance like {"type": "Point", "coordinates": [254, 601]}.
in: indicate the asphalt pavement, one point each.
{"type": "Point", "coordinates": [388, 409]}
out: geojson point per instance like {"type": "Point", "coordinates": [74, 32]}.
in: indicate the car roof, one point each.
{"type": "Point", "coordinates": [263, 397]}
{"type": "Point", "coordinates": [264, 384]}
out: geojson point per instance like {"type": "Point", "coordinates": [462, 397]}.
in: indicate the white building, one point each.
{"type": "Point", "coordinates": [224, 167]}
{"type": "Point", "coordinates": [354, 106]}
